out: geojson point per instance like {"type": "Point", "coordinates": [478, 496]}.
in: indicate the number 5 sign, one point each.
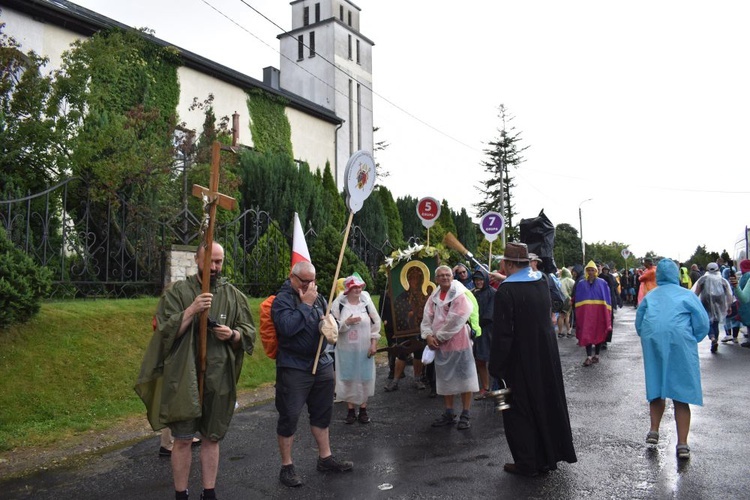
{"type": "Point", "coordinates": [428, 209]}
{"type": "Point", "coordinates": [491, 224]}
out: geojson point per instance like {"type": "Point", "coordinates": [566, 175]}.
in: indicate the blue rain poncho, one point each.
{"type": "Point", "coordinates": [671, 321]}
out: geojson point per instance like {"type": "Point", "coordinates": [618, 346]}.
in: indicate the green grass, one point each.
{"type": "Point", "coordinates": [73, 366]}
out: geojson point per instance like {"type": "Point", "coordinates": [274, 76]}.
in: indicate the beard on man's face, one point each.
{"type": "Point", "coordinates": [213, 278]}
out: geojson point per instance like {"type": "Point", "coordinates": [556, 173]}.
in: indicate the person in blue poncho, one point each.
{"type": "Point", "coordinates": [671, 321]}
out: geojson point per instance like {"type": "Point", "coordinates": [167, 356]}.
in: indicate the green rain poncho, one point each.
{"type": "Point", "coordinates": [168, 381]}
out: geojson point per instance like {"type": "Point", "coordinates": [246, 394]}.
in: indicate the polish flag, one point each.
{"type": "Point", "coordinates": [299, 245]}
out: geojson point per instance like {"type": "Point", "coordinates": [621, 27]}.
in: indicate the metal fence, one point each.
{"type": "Point", "coordinates": [96, 249]}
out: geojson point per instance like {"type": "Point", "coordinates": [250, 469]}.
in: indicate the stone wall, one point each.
{"type": "Point", "coordinates": [180, 263]}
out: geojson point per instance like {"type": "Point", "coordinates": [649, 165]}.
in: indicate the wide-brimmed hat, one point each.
{"type": "Point", "coordinates": [516, 252]}
{"type": "Point", "coordinates": [534, 257]}
{"type": "Point", "coordinates": [353, 281]}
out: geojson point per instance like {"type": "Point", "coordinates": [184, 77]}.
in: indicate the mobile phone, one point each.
{"type": "Point", "coordinates": [212, 323]}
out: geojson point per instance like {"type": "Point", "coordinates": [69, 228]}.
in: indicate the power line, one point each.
{"type": "Point", "coordinates": [336, 67]}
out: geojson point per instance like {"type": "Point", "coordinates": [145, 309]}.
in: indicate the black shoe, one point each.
{"type": "Point", "coordinates": [714, 345]}
{"type": "Point", "coordinates": [330, 464]}
{"type": "Point", "coordinates": [515, 469]}
{"type": "Point", "coordinates": [204, 496]}
{"type": "Point", "coordinates": [163, 452]}
{"type": "Point", "coordinates": [363, 417]}
{"type": "Point", "coordinates": [350, 417]}
{"type": "Point", "coordinates": [745, 344]}
{"type": "Point", "coordinates": [288, 476]}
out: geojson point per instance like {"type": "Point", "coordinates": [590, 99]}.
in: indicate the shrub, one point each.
{"type": "Point", "coordinates": [22, 284]}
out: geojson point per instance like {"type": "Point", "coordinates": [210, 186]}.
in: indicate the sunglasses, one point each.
{"type": "Point", "coordinates": [304, 282]}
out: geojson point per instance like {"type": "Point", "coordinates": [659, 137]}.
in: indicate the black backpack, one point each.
{"type": "Point", "coordinates": [555, 295]}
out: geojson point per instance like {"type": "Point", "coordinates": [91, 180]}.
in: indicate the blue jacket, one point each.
{"type": "Point", "coordinates": [297, 330]}
{"type": "Point", "coordinates": [671, 321]}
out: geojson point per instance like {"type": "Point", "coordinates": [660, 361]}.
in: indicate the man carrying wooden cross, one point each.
{"type": "Point", "coordinates": [198, 319]}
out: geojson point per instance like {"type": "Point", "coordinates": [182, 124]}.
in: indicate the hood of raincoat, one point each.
{"type": "Point", "coordinates": [565, 273]}
{"type": "Point", "coordinates": [591, 265]}
{"type": "Point", "coordinates": [667, 273]}
{"type": "Point", "coordinates": [578, 269]}
{"type": "Point", "coordinates": [481, 273]}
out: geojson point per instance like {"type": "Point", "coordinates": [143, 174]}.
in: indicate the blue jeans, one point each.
{"type": "Point", "coordinates": [713, 330]}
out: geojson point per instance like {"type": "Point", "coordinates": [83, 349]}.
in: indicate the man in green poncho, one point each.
{"type": "Point", "coordinates": [168, 382]}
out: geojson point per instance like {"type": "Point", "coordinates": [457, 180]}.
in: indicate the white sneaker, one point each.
{"type": "Point", "coordinates": [727, 338]}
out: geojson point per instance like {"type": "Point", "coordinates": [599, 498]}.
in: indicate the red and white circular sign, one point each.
{"type": "Point", "coordinates": [428, 210]}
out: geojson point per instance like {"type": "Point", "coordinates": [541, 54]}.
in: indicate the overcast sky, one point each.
{"type": "Point", "coordinates": [641, 106]}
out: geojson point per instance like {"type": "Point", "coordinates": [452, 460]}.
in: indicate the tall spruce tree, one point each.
{"type": "Point", "coordinates": [503, 155]}
{"type": "Point", "coordinates": [412, 226]}
{"type": "Point", "coordinates": [394, 227]}
{"type": "Point", "coordinates": [466, 230]}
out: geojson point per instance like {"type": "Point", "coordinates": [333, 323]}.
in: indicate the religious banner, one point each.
{"type": "Point", "coordinates": [410, 283]}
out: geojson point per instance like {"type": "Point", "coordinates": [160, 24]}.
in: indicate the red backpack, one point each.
{"type": "Point", "coordinates": [267, 328]}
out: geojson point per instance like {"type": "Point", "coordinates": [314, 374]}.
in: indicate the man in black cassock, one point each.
{"type": "Point", "coordinates": [524, 354]}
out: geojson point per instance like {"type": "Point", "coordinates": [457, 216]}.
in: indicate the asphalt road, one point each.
{"type": "Point", "coordinates": [609, 417]}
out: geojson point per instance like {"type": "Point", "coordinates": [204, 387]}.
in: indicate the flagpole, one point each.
{"type": "Point", "coordinates": [333, 287]}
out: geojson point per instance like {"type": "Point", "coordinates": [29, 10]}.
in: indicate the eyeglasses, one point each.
{"type": "Point", "coordinates": [304, 282]}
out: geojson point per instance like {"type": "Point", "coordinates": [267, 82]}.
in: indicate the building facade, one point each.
{"type": "Point", "coordinates": [327, 60]}
{"type": "Point", "coordinates": [327, 92]}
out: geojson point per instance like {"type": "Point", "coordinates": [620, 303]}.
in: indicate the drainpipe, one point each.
{"type": "Point", "coordinates": [235, 129]}
{"type": "Point", "coordinates": [336, 154]}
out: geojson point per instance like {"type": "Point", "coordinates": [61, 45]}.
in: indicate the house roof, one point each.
{"type": "Point", "coordinates": [87, 22]}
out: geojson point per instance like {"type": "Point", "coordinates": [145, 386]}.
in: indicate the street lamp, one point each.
{"type": "Point", "coordinates": [580, 227]}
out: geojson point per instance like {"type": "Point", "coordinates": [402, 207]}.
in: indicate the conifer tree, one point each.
{"type": "Point", "coordinates": [503, 155]}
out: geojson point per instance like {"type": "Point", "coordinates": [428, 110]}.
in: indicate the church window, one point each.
{"type": "Point", "coordinates": [306, 16]}
{"type": "Point", "coordinates": [300, 47]}
{"type": "Point", "coordinates": [312, 44]}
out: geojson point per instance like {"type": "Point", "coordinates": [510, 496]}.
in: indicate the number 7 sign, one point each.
{"type": "Point", "coordinates": [491, 224]}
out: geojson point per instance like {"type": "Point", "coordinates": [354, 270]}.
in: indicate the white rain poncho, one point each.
{"type": "Point", "coordinates": [355, 372]}
{"type": "Point", "coordinates": [455, 370]}
{"type": "Point", "coordinates": [715, 294]}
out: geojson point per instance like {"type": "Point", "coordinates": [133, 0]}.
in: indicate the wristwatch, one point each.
{"type": "Point", "coordinates": [231, 339]}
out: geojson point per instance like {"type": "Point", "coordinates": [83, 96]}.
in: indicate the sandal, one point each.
{"type": "Point", "coordinates": [587, 362]}
{"type": "Point", "coordinates": [463, 423]}
{"type": "Point", "coordinates": [683, 451]}
{"type": "Point", "coordinates": [652, 437]}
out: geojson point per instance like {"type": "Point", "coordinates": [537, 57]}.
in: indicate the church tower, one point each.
{"type": "Point", "coordinates": [325, 59]}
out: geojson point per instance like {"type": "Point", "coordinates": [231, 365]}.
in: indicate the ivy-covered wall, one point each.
{"type": "Point", "coordinates": [268, 123]}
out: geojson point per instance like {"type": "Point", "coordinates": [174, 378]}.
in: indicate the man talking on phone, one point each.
{"type": "Point", "coordinates": [296, 312]}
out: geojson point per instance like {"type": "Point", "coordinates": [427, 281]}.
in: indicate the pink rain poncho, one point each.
{"type": "Point", "coordinates": [455, 370]}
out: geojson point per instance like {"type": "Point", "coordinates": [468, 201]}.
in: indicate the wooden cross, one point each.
{"type": "Point", "coordinates": [211, 198]}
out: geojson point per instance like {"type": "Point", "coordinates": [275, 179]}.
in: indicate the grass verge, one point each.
{"type": "Point", "coordinates": [72, 369]}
